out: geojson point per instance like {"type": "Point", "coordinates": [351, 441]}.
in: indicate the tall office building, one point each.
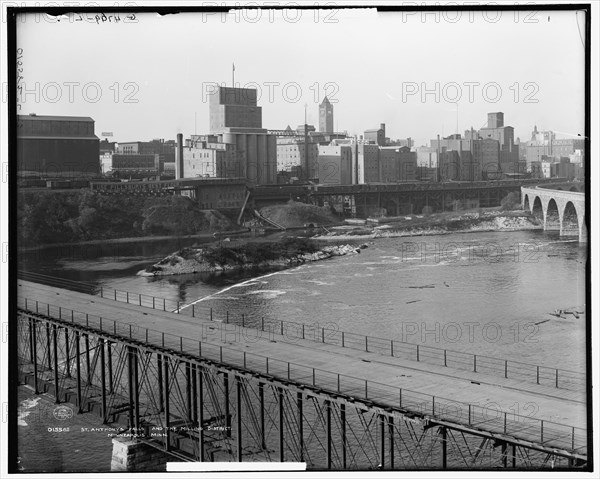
{"type": "Point", "coordinates": [234, 108]}
{"type": "Point", "coordinates": [326, 116]}
{"type": "Point", "coordinates": [508, 160]}
{"type": "Point", "coordinates": [237, 120]}
{"type": "Point", "coordinates": [496, 120]}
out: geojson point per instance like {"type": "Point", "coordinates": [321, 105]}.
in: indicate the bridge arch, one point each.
{"type": "Point", "coordinates": [553, 216]}
{"type": "Point", "coordinates": [558, 207]}
{"type": "Point", "coordinates": [526, 205]}
{"type": "Point", "coordinates": [570, 220]}
{"type": "Point", "coordinates": [537, 209]}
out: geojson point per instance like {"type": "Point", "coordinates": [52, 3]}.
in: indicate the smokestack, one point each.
{"type": "Point", "coordinates": [305, 174]}
{"type": "Point", "coordinates": [438, 159]}
{"type": "Point", "coordinates": [179, 157]}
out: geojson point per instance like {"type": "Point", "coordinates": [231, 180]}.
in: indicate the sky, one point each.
{"type": "Point", "coordinates": [420, 74]}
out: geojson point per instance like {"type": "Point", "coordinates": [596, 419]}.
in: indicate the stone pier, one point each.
{"type": "Point", "coordinates": [130, 455]}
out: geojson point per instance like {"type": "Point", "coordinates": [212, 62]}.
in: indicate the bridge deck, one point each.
{"type": "Point", "coordinates": [511, 396]}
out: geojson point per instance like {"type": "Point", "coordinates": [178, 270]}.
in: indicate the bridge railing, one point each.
{"type": "Point", "coordinates": [293, 331]}
{"type": "Point", "coordinates": [488, 417]}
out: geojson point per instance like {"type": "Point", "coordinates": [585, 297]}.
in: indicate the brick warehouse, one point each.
{"type": "Point", "coordinates": [57, 146]}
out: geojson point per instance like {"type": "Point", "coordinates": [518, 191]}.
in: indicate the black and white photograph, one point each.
{"type": "Point", "coordinates": [299, 239]}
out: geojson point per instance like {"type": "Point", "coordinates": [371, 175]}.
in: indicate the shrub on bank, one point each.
{"type": "Point", "coordinates": [427, 211]}
{"type": "Point", "coordinates": [510, 201]}
{"type": "Point", "coordinates": [257, 253]}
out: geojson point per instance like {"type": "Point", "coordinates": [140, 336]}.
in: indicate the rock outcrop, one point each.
{"type": "Point", "coordinates": [193, 260]}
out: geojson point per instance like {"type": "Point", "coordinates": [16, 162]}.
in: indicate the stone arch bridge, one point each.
{"type": "Point", "coordinates": [561, 207]}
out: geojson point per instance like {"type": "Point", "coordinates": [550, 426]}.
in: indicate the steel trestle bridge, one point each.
{"type": "Point", "coordinates": [202, 397]}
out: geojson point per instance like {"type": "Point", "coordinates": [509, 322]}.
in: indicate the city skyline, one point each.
{"type": "Point", "coordinates": [365, 81]}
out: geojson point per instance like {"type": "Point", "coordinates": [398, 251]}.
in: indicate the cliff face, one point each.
{"type": "Point", "coordinates": [47, 217]}
{"type": "Point", "coordinates": [199, 260]}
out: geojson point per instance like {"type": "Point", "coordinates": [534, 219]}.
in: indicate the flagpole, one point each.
{"type": "Point", "coordinates": [233, 75]}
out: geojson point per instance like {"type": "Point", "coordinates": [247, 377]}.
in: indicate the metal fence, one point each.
{"type": "Point", "coordinates": [488, 418]}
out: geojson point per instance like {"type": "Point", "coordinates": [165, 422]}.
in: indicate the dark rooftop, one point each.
{"type": "Point", "coordinates": [55, 118]}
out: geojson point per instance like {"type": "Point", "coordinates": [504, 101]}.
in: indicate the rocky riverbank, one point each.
{"type": "Point", "coordinates": [419, 225]}
{"type": "Point", "coordinates": [289, 253]}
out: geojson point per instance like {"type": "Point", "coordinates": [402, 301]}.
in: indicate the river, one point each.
{"type": "Point", "coordinates": [484, 293]}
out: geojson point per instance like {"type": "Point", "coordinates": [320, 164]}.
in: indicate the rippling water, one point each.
{"type": "Point", "coordinates": [484, 293]}
{"type": "Point", "coordinates": [476, 292]}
